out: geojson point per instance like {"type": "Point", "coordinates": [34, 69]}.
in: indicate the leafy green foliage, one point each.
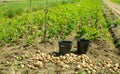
{"type": "Point", "coordinates": [82, 72]}
{"type": "Point", "coordinates": [11, 9]}
{"type": "Point", "coordinates": [116, 1]}
{"type": "Point", "coordinates": [89, 32]}
{"type": "Point", "coordinates": [118, 44]}
{"type": "Point", "coordinates": [62, 20]}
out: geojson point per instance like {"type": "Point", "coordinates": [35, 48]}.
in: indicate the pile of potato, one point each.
{"type": "Point", "coordinates": [83, 62]}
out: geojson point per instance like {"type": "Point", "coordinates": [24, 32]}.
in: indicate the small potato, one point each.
{"type": "Point", "coordinates": [93, 71]}
{"type": "Point", "coordinates": [78, 66]}
{"type": "Point", "coordinates": [66, 66]}
{"type": "Point", "coordinates": [22, 66]}
{"type": "Point", "coordinates": [117, 65]}
{"type": "Point", "coordinates": [38, 64]}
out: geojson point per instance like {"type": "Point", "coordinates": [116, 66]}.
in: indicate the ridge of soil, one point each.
{"type": "Point", "coordinates": [114, 29]}
{"type": "Point", "coordinates": [114, 7]}
{"type": "Point", "coordinates": [12, 59]}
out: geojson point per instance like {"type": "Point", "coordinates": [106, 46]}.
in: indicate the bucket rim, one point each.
{"type": "Point", "coordinates": [65, 41]}
{"type": "Point", "coordinates": [82, 39]}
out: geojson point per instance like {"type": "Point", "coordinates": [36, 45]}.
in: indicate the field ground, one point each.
{"type": "Point", "coordinates": [102, 56]}
{"type": "Point", "coordinates": [100, 51]}
{"type": "Point", "coordinates": [114, 7]}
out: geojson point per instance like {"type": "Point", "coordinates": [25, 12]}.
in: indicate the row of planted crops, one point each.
{"type": "Point", "coordinates": [9, 9]}
{"type": "Point", "coordinates": [83, 16]}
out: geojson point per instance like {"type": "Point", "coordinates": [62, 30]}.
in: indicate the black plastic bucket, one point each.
{"type": "Point", "coordinates": [65, 47]}
{"type": "Point", "coordinates": [82, 46]}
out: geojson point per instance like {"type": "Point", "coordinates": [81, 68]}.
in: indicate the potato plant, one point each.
{"type": "Point", "coordinates": [62, 20]}
{"type": "Point", "coordinates": [12, 9]}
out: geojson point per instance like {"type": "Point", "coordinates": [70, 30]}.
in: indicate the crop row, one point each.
{"type": "Point", "coordinates": [62, 20]}
{"type": "Point", "coordinates": [113, 23]}
{"type": "Point", "coordinates": [12, 9]}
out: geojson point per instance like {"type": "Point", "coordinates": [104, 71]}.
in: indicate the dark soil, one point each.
{"type": "Point", "coordinates": [13, 57]}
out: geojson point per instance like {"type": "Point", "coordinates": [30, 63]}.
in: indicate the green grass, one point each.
{"type": "Point", "coordinates": [11, 9]}
{"type": "Point", "coordinates": [116, 1]}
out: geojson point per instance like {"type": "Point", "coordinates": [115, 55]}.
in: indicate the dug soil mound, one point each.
{"type": "Point", "coordinates": [102, 58]}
